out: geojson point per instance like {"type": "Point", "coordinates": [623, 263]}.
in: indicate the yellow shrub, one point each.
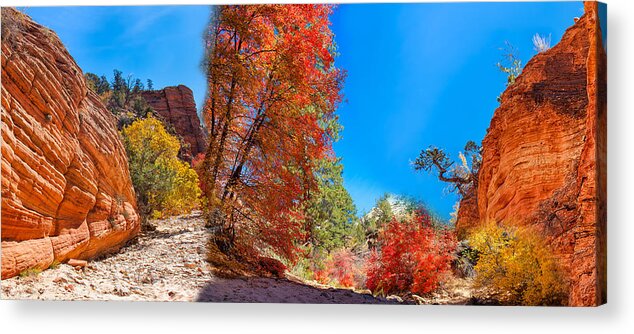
{"type": "Point", "coordinates": [164, 184]}
{"type": "Point", "coordinates": [518, 266]}
{"type": "Point", "coordinates": [184, 196]}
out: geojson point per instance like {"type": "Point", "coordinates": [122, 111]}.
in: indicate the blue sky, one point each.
{"type": "Point", "coordinates": [421, 75]}
{"type": "Point", "coordinates": [418, 74]}
{"type": "Point", "coordinates": [162, 43]}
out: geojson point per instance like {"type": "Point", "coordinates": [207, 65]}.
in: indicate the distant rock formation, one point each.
{"type": "Point", "coordinates": [544, 157]}
{"type": "Point", "coordinates": [176, 107]}
{"type": "Point", "coordinates": [66, 188]}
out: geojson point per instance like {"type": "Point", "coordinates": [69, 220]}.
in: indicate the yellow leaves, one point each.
{"type": "Point", "coordinates": [183, 196]}
{"type": "Point", "coordinates": [517, 265]}
{"type": "Point", "coordinates": [149, 136]}
{"type": "Point", "coordinates": [164, 184]}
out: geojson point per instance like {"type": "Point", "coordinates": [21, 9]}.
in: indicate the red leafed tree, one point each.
{"type": "Point", "coordinates": [413, 256]}
{"type": "Point", "coordinates": [272, 93]}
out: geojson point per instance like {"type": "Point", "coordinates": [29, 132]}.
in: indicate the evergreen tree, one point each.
{"type": "Point", "coordinates": [330, 213]}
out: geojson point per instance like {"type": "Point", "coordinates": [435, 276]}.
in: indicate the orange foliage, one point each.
{"type": "Point", "coordinates": [197, 166]}
{"type": "Point", "coordinates": [272, 86]}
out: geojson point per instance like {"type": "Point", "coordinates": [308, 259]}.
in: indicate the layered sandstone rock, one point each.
{"type": "Point", "coordinates": [177, 108]}
{"type": "Point", "coordinates": [544, 157]}
{"type": "Point", "coordinates": [66, 189]}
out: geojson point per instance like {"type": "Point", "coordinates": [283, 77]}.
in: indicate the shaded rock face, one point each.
{"type": "Point", "coordinates": [66, 189]}
{"type": "Point", "coordinates": [177, 108]}
{"type": "Point", "coordinates": [544, 157]}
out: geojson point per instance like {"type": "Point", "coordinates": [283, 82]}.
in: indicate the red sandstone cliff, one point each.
{"type": "Point", "coordinates": [66, 189]}
{"type": "Point", "coordinates": [544, 157]}
{"type": "Point", "coordinates": [176, 107]}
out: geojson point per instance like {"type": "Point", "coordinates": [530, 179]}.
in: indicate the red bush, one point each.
{"type": "Point", "coordinates": [342, 268]}
{"type": "Point", "coordinates": [321, 276]}
{"type": "Point", "coordinates": [413, 256]}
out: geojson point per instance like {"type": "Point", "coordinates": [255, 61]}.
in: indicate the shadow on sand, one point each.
{"type": "Point", "coordinates": [279, 290]}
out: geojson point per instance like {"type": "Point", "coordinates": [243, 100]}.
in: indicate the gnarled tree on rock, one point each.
{"type": "Point", "coordinates": [462, 178]}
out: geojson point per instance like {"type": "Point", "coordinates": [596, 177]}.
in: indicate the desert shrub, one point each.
{"type": "Point", "coordinates": [511, 64]}
{"type": "Point", "coordinates": [164, 184]}
{"type": "Point", "coordinates": [412, 256]}
{"type": "Point", "coordinates": [54, 265]}
{"type": "Point", "coordinates": [343, 267]}
{"type": "Point", "coordinates": [321, 276]}
{"type": "Point", "coordinates": [13, 22]}
{"type": "Point", "coordinates": [517, 266]}
{"type": "Point", "coordinates": [30, 272]}
{"type": "Point", "coordinates": [303, 269]}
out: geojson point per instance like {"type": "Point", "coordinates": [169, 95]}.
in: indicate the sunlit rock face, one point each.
{"type": "Point", "coordinates": [177, 108]}
{"type": "Point", "coordinates": [66, 189]}
{"type": "Point", "coordinates": [544, 157]}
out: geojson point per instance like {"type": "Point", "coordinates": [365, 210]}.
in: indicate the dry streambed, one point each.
{"type": "Point", "coordinates": [168, 265]}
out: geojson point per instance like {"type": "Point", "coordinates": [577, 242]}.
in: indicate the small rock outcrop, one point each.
{"type": "Point", "coordinates": [66, 188]}
{"type": "Point", "coordinates": [544, 157]}
{"type": "Point", "coordinates": [177, 108]}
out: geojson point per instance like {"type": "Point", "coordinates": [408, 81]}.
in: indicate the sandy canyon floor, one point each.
{"type": "Point", "coordinates": [169, 265]}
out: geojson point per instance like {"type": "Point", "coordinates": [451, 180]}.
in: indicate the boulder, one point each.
{"type": "Point", "coordinates": [77, 263]}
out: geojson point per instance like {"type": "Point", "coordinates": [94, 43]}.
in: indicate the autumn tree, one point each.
{"type": "Point", "coordinates": [517, 266]}
{"type": "Point", "coordinates": [413, 255]}
{"type": "Point", "coordinates": [272, 91]}
{"type": "Point", "coordinates": [164, 185]}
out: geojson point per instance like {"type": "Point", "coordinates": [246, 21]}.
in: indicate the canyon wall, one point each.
{"type": "Point", "coordinates": [544, 157]}
{"type": "Point", "coordinates": [66, 188]}
{"type": "Point", "coordinates": [177, 108]}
